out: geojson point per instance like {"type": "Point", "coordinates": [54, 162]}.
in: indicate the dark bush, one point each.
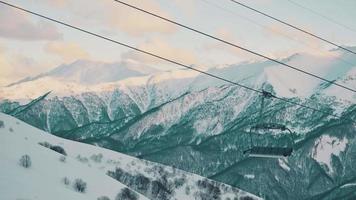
{"type": "Point", "coordinates": [79, 185]}
{"type": "Point", "coordinates": [142, 182]}
{"type": "Point", "coordinates": [103, 198]}
{"type": "Point", "coordinates": [66, 181]}
{"type": "Point", "coordinates": [127, 194]}
{"type": "Point", "coordinates": [82, 159]}
{"type": "Point", "coordinates": [160, 191]}
{"type": "Point", "coordinates": [117, 174]}
{"type": "Point", "coordinates": [2, 125]}
{"type": "Point", "coordinates": [97, 157]}
{"type": "Point", "coordinates": [56, 148]}
{"type": "Point", "coordinates": [59, 149]}
{"type": "Point", "coordinates": [179, 182]}
{"type": "Point", "coordinates": [62, 159]}
{"type": "Point", "coordinates": [212, 190]}
{"type": "Point", "coordinates": [187, 190]}
{"type": "Point", "coordinates": [155, 189]}
{"type": "Point", "coordinates": [247, 198]}
{"type": "Point", "coordinates": [25, 161]}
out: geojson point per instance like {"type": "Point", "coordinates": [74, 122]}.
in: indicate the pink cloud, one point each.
{"type": "Point", "coordinates": [67, 51]}
{"type": "Point", "coordinates": [136, 23]}
{"type": "Point", "coordinates": [161, 47]}
{"type": "Point", "coordinates": [17, 25]}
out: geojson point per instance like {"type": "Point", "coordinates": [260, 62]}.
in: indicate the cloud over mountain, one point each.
{"type": "Point", "coordinates": [16, 25]}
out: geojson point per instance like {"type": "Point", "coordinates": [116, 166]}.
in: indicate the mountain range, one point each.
{"type": "Point", "coordinates": [201, 125]}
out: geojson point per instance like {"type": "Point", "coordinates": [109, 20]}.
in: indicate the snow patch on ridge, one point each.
{"type": "Point", "coordinates": [327, 146]}
{"type": "Point", "coordinates": [283, 164]}
{"type": "Point", "coordinates": [348, 185]}
{"type": "Point", "coordinates": [249, 176]}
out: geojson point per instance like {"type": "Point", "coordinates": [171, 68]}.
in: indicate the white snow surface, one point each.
{"type": "Point", "coordinates": [44, 179]}
{"type": "Point", "coordinates": [327, 146]}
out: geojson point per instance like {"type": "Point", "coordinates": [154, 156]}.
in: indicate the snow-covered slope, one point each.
{"type": "Point", "coordinates": [44, 178]}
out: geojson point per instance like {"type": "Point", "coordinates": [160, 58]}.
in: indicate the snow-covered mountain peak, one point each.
{"type": "Point", "coordinates": [89, 76]}
{"type": "Point", "coordinates": [93, 72]}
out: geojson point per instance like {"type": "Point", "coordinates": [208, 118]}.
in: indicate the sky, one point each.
{"type": "Point", "coordinates": [30, 45]}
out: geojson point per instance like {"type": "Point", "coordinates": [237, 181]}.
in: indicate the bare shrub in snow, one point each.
{"type": "Point", "coordinates": [127, 194]}
{"type": "Point", "coordinates": [117, 174]}
{"type": "Point", "coordinates": [179, 182]}
{"type": "Point", "coordinates": [11, 129]}
{"type": "Point", "coordinates": [58, 149]}
{"type": "Point", "coordinates": [66, 181]}
{"type": "Point", "coordinates": [79, 185]}
{"type": "Point", "coordinates": [97, 157]}
{"type": "Point", "coordinates": [62, 159]}
{"type": "Point", "coordinates": [45, 144]}
{"type": "Point", "coordinates": [141, 182]}
{"type": "Point", "coordinates": [25, 161]}
{"type": "Point", "coordinates": [160, 190]}
{"type": "Point", "coordinates": [187, 190]}
{"type": "Point", "coordinates": [103, 198]}
{"type": "Point", "coordinates": [247, 198]}
{"type": "Point", "coordinates": [82, 159]}
{"type": "Point", "coordinates": [2, 125]}
{"type": "Point", "coordinates": [209, 190]}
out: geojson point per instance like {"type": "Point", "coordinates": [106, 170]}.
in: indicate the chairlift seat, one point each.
{"type": "Point", "coordinates": [277, 152]}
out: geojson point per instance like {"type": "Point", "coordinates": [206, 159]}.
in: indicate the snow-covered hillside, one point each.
{"type": "Point", "coordinates": [44, 179]}
{"type": "Point", "coordinates": [52, 175]}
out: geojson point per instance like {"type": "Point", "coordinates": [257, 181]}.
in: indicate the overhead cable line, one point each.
{"type": "Point", "coordinates": [235, 45]}
{"type": "Point", "coordinates": [262, 92]}
{"type": "Point", "coordinates": [214, 4]}
{"type": "Point", "coordinates": [323, 16]}
{"type": "Point", "coordinates": [293, 26]}
{"type": "Point", "coordinates": [222, 8]}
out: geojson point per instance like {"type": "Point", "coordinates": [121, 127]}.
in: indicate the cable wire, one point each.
{"type": "Point", "coordinates": [293, 26]}
{"type": "Point", "coordinates": [235, 45]}
{"type": "Point", "coordinates": [323, 16]}
{"type": "Point", "coordinates": [163, 58]}
{"type": "Point", "coordinates": [214, 4]}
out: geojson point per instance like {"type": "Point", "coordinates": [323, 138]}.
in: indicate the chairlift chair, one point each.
{"type": "Point", "coordinates": [267, 151]}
